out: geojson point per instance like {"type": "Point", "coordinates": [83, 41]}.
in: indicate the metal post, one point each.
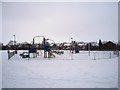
{"type": "Point", "coordinates": [94, 56]}
{"type": "Point", "coordinates": [72, 45]}
{"type": "Point", "coordinates": [14, 41]}
{"type": "Point", "coordinates": [33, 41]}
{"type": "Point", "coordinates": [89, 48]}
{"type": "Point", "coordinates": [71, 48]}
{"type": "Point", "coordinates": [44, 47]}
{"type": "Point", "coordinates": [110, 55]}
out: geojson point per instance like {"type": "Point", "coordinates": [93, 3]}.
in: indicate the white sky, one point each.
{"type": "Point", "coordinates": [59, 21]}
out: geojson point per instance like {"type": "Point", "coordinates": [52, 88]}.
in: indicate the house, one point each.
{"type": "Point", "coordinates": [109, 46]}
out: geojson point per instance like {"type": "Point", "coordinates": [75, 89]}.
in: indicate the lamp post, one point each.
{"type": "Point", "coordinates": [14, 42]}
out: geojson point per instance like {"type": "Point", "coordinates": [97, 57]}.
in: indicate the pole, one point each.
{"type": "Point", "coordinates": [110, 55]}
{"type": "Point", "coordinates": [14, 42]}
{"type": "Point", "coordinates": [89, 48]}
{"type": "Point", "coordinates": [71, 48]}
{"type": "Point", "coordinates": [33, 41]}
{"type": "Point", "coordinates": [94, 56]}
{"type": "Point", "coordinates": [44, 47]}
{"type": "Point", "coordinates": [72, 45]}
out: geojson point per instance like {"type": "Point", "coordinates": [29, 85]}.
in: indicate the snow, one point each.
{"type": "Point", "coordinates": [0, 70]}
{"type": "Point", "coordinates": [63, 71]}
{"type": "Point", "coordinates": [119, 74]}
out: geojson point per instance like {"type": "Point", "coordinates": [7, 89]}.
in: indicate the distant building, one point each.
{"type": "Point", "coordinates": [109, 46]}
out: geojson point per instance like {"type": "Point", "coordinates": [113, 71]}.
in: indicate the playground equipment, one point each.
{"type": "Point", "coordinates": [32, 49]}
{"type": "Point", "coordinates": [25, 55]}
{"type": "Point", "coordinates": [74, 47]}
{"type": "Point", "coordinates": [11, 54]}
{"type": "Point", "coordinates": [46, 47]}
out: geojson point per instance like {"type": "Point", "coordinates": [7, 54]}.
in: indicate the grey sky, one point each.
{"type": "Point", "coordinates": [60, 21]}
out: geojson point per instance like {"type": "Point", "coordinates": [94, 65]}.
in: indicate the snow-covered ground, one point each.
{"type": "Point", "coordinates": [119, 73]}
{"type": "Point", "coordinates": [99, 70]}
{"type": "Point", "coordinates": [0, 69]}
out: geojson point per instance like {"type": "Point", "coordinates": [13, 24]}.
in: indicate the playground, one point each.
{"type": "Point", "coordinates": [63, 71]}
{"type": "Point", "coordinates": [46, 50]}
{"type": "Point", "coordinates": [54, 68]}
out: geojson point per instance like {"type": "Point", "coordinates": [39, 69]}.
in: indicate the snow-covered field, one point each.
{"type": "Point", "coordinates": [99, 70]}
{"type": "Point", "coordinates": [0, 70]}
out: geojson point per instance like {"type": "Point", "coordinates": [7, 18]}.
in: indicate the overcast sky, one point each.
{"type": "Point", "coordinates": [59, 21]}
